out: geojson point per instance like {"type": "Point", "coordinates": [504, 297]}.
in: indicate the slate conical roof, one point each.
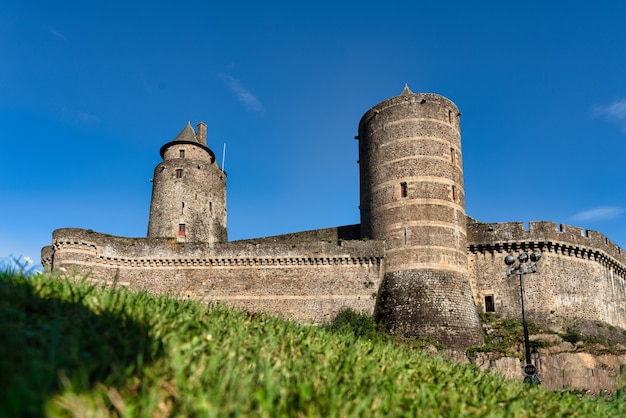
{"type": "Point", "coordinates": [187, 134]}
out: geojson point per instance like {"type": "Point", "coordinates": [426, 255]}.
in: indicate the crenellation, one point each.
{"type": "Point", "coordinates": [565, 237]}
{"type": "Point", "coordinates": [575, 283]}
{"type": "Point", "coordinates": [176, 259]}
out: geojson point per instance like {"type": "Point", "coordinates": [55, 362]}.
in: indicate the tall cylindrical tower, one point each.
{"type": "Point", "coordinates": [188, 191]}
{"type": "Point", "coordinates": [412, 198]}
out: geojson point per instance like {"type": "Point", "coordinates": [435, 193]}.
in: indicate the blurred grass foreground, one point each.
{"type": "Point", "coordinates": [70, 348]}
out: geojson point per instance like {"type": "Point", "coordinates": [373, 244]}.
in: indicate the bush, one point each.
{"type": "Point", "coordinates": [539, 343]}
{"type": "Point", "coordinates": [350, 321]}
{"type": "Point", "coordinates": [572, 336]}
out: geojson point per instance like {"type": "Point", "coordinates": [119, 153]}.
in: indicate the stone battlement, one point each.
{"type": "Point", "coordinates": [580, 280]}
{"type": "Point", "coordinates": [557, 237]}
{"type": "Point", "coordinates": [321, 247]}
{"type": "Point", "coordinates": [307, 276]}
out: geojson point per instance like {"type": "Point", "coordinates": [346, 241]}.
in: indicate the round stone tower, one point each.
{"type": "Point", "coordinates": [188, 191]}
{"type": "Point", "coordinates": [412, 198]}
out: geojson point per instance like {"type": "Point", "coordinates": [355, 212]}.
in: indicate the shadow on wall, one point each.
{"type": "Point", "coordinates": [49, 343]}
{"type": "Point", "coordinates": [349, 232]}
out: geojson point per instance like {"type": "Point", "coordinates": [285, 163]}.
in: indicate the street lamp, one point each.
{"type": "Point", "coordinates": [526, 265]}
{"type": "Point", "coordinates": [535, 354]}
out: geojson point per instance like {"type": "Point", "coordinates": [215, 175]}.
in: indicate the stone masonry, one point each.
{"type": "Point", "coordinates": [416, 260]}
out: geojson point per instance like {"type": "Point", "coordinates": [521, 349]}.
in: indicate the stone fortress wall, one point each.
{"type": "Point", "coordinates": [581, 278]}
{"type": "Point", "coordinates": [307, 277]}
{"type": "Point", "coordinates": [436, 268]}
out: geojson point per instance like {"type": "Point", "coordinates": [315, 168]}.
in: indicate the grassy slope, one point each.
{"type": "Point", "coordinates": [71, 348]}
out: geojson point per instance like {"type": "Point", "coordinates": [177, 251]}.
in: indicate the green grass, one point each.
{"type": "Point", "coordinates": [70, 348]}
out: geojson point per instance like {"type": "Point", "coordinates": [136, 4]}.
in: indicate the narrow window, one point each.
{"type": "Point", "coordinates": [404, 191]}
{"type": "Point", "coordinates": [452, 155]}
{"type": "Point", "coordinates": [179, 173]}
{"type": "Point", "coordinates": [489, 305]}
{"type": "Point", "coordinates": [454, 193]}
{"type": "Point", "coordinates": [449, 116]}
{"type": "Point", "coordinates": [405, 238]}
{"type": "Point", "coordinates": [182, 153]}
{"type": "Point", "coordinates": [181, 230]}
{"type": "Point", "coordinates": [182, 209]}
{"type": "Point", "coordinates": [210, 207]}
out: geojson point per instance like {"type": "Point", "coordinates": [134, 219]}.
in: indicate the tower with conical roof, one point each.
{"type": "Point", "coordinates": [189, 191]}
{"type": "Point", "coordinates": [412, 198]}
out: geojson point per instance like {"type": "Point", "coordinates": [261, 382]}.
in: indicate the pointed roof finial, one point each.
{"type": "Point", "coordinates": [406, 90]}
{"type": "Point", "coordinates": [187, 134]}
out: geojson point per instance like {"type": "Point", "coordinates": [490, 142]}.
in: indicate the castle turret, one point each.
{"type": "Point", "coordinates": [412, 197]}
{"type": "Point", "coordinates": [188, 191]}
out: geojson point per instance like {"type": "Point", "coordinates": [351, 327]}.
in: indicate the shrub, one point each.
{"type": "Point", "coordinates": [572, 336]}
{"type": "Point", "coordinates": [350, 321]}
{"type": "Point", "coordinates": [539, 343]}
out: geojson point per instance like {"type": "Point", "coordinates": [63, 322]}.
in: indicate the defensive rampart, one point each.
{"type": "Point", "coordinates": [306, 277]}
{"type": "Point", "coordinates": [310, 276]}
{"type": "Point", "coordinates": [427, 269]}
{"type": "Point", "coordinates": [581, 279]}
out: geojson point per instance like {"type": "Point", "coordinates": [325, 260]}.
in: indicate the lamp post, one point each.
{"type": "Point", "coordinates": [526, 265]}
{"type": "Point", "coordinates": [535, 355]}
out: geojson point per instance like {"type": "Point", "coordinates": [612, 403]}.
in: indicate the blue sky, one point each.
{"type": "Point", "coordinates": [89, 91]}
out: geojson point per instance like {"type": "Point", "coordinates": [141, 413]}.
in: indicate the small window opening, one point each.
{"type": "Point", "coordinates": [489, 304]}
{"type": "Point", "coordinates": [454, 193]}
{"type": "Point", "coordinates": [179, 173]}
{"type": "Point", "coordinates": [404, 191]}
{"type": "Point", "coordinates": [452, 155]}
{"type": "Point", "coordinates": [210, 207]}
{"type": "Point", "coordinates": [405, 237]}
{"type": "Point", "coordinates": [182, 153]}
{"type": "Point", "coordinates": [182, 207]}
{"type": "Point", "coordinates": [181, 230]}
{"type": "Point", "coordinates": [449, 116]}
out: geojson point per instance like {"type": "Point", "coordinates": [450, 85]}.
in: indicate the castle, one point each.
{"type": "Point", "coordinates": [416, 260]}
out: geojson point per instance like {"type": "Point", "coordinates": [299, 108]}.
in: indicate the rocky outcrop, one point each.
{"type": "Point", "coordinates": [563, 367]}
